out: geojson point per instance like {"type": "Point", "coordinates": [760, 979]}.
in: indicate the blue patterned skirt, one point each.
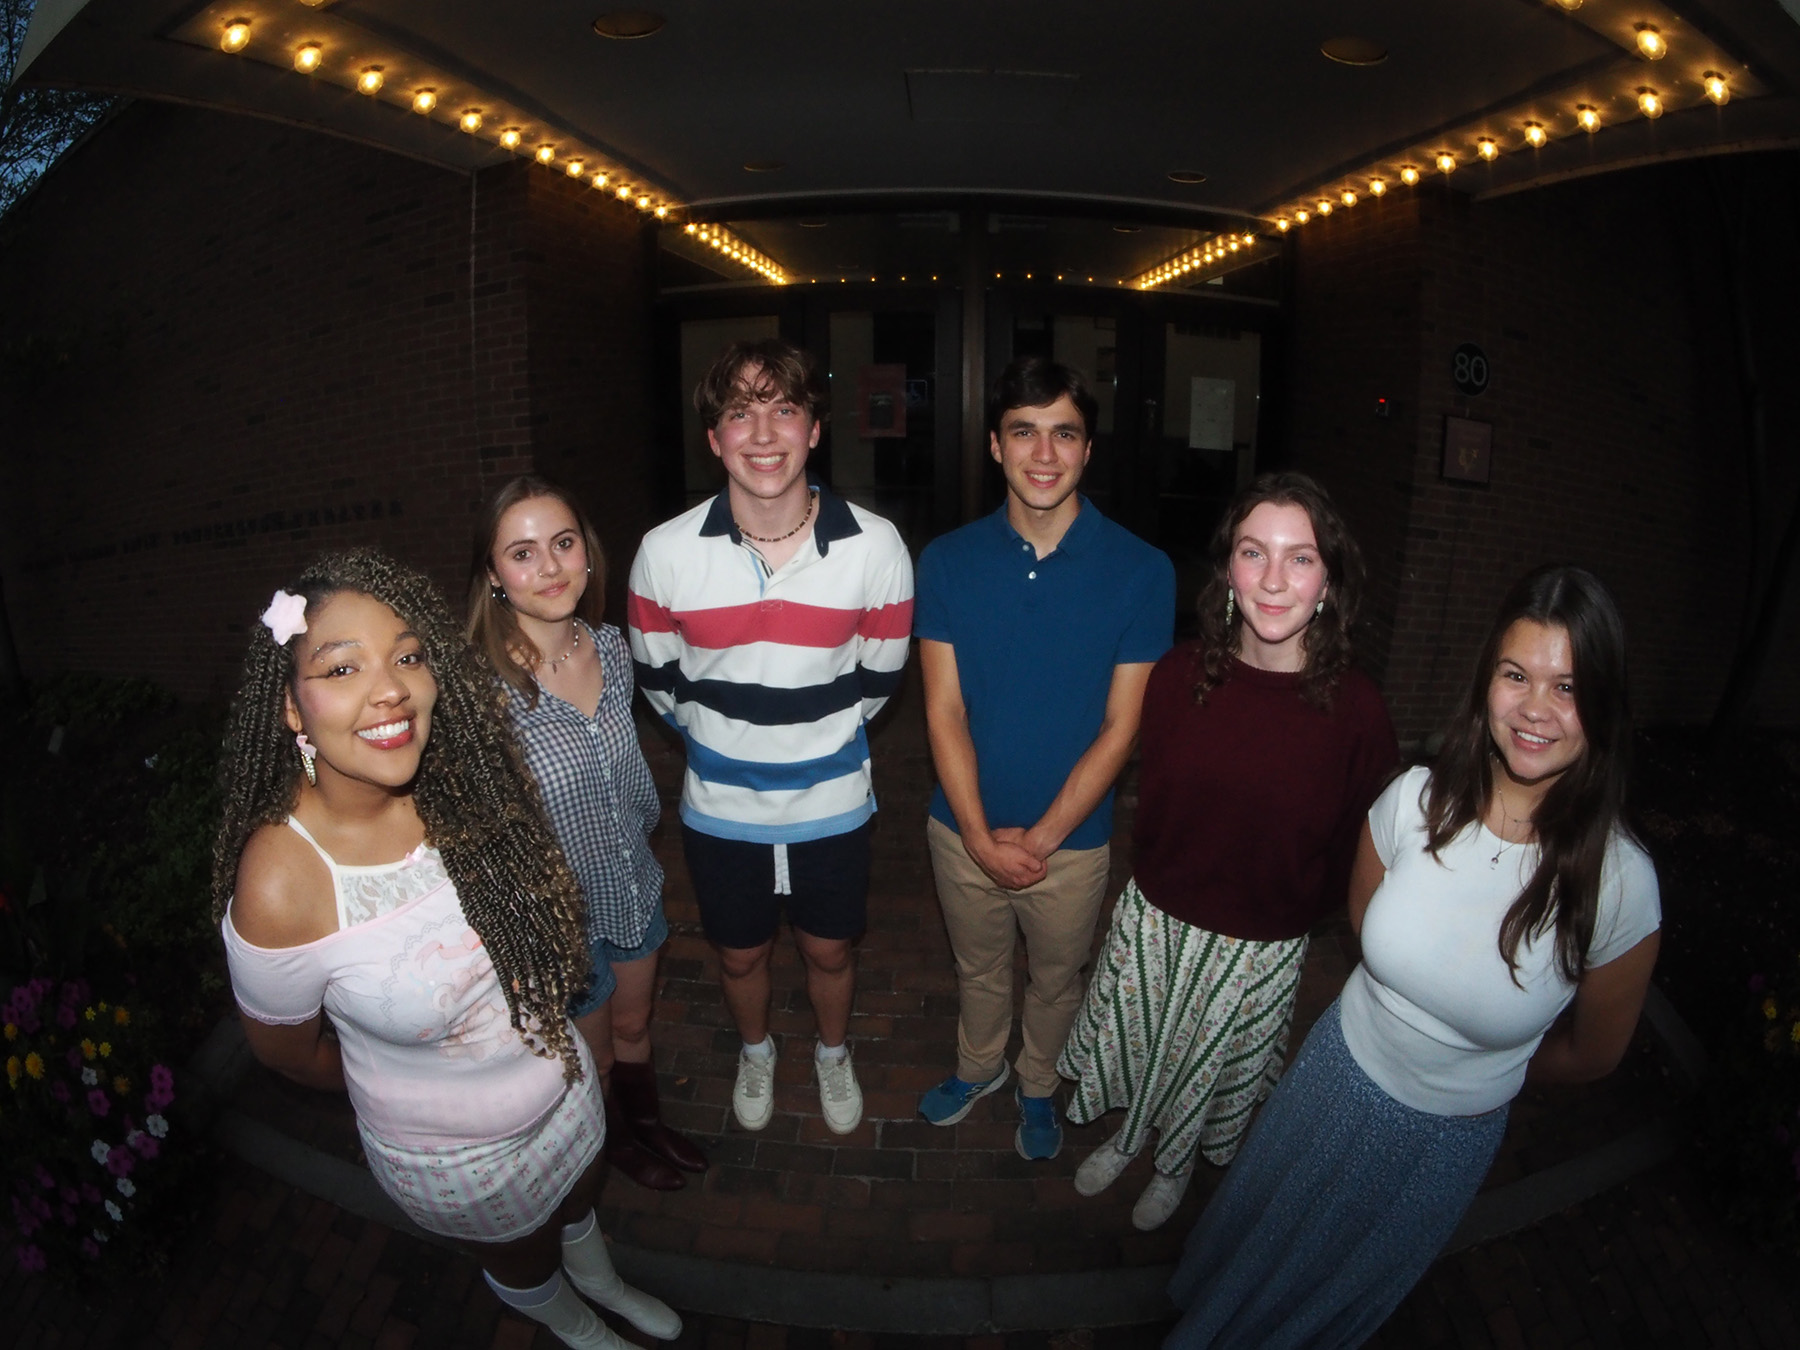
{"type": "Point", "coordinates": [1339, 1201]}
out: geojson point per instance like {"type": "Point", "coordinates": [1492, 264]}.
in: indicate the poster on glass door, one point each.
{"type": "Point", "coordinates": [1212, 413]}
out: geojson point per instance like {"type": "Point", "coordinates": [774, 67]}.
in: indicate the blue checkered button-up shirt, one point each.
{"type": "Point", "coordinates": [599, 793]}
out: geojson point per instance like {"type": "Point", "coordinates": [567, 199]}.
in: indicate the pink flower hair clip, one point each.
{"type": "Point", "coordinates": [285, 617]}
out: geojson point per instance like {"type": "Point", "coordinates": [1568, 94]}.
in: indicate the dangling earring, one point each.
{"type": "Point", "coordinates": [308, 752]}
{"type": "Point", "coordinates": [1230, 605]}
{"type": "Point", "coordinates": [1320, 607]}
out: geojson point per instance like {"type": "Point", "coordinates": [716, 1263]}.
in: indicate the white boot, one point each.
{"type": "Point", "coordinates": [573, 1323]}
{"type": "Point", "coordinates": [590, 1269]}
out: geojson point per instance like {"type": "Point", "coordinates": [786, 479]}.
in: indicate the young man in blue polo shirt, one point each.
{"type": "Point", "coordinates": [1038, 627]}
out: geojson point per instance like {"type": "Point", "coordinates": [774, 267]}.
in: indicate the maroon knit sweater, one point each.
{"type": "Point", "coordinates": [1250, 806]}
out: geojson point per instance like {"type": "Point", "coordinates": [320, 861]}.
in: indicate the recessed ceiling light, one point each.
{"type": "Point", "coordinates": [1353, 51]}
{"type": "Point", "coordinates": [1189, 176]}
{"type": "Point", "coordinates": [629, 23]}
{"type": "Point", "coordinates": [764, 166]}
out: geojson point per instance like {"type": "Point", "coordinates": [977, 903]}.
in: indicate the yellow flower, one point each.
{"type": "Point", "coordinates": [122, 1017]}
{"type": "Point", "coordinates": [105, 1049]}
{"type": "Point", "coordinates": [102, 1007]}
{"type": "Point", "coordinates": [122, 1084]}
{"type": "Point", "coordinates": [87, 1049]}
{"type": "Point", "coordinates": [12, 1032]}
{"type": "Point", "coordinates": [1769, 1008]}
{"type": "Point", "coordinates": [1794, 1034]}
{"type": "Point", "coordinates": [88, 1013]}
{"type": "Point", "coordinates": [12, 1071]}
{"type": "Point", "coordinates": [34, 1065]}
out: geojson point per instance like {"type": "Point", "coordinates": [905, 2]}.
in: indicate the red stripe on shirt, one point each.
{"type": "Point", "coordinates": [890, 621]}
{"type": "Point", "coordinates": [645, 615]}
{"type": "Point", "coordinates": [780, 621]}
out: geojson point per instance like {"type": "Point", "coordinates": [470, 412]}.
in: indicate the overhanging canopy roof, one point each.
{"type": "Point", "coordinates": [734, 109]}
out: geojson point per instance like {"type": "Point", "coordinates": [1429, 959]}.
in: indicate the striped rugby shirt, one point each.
{"type": "Point", "coordinates": [770, 678]}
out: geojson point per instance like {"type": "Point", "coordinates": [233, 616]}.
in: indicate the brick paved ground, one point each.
{"type": "Point", "coordinates": [1645, 1264]}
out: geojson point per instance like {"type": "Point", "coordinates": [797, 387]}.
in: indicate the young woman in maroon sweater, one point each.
{"type": "Point", "coordinates": [1262, 749]}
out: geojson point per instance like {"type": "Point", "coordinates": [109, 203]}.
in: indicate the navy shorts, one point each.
{"type": "Point", "coordinates": [827, 891]}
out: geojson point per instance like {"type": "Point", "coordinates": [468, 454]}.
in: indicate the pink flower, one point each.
{"type": "Point", "coordinates": [98, 1102]}
{"type": "Point", "coordinates": [44, 1178]}
{"type": "Point", "coordinates": [30, 1257]}
{"type": "Point", "coordinates": [90, 1193]}
{"type": "Point", "coordinates": [285, 616]}
{"type": "Point", "coordinates": [73, 1059]}
{"type": "Point", "coordinates": [90, 1249]}
{"type": "Point", "coordinates": [119, 1162]}
{"type": "Point", "coordinates": [65, 1017]}
{"type": "Point", "coordinates": [60, 1091]}
{"type": "Point", "coordinates": [162, 1080]}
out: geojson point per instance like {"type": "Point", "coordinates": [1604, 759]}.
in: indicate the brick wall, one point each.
{"type": "Point", "coordinates": [1600, 318]}
{"type": "Point", "coordinates": [235, 344]}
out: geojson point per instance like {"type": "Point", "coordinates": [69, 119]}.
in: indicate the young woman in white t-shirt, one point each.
{"type": "Point", "coordinates": [1509, 928]}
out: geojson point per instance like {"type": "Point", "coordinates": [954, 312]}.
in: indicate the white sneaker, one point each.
{"type": "Point", "coordinates": [1101, 1168]}
{"type": "Point", "coordinates": [753, 1095]}
{"type": "Point", "coordinates": [1160, 1199]}
{"type": "Point", "coordinates": [840, 1099]}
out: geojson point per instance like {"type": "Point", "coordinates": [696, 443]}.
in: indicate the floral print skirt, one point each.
{"type": "Point", "coordinates": [1184, 1029]}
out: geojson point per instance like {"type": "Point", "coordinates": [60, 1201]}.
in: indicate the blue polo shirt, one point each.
{"type": "Point", "coordinates": [1036, 641]}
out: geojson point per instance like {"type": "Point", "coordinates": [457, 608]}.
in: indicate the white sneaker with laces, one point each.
{"type": "Point", "coordinates": [753, 1095]}
{"type": "Point", "coordinates": [1101, 1168]}
{"type": "Point", "coordinates": [1160, 1199]}
{"type": "Point", "coordinates": [840, 1099]}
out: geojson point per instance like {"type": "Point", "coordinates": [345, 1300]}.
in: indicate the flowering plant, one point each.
{"type": "Point", "coordinates": [83, 1124]}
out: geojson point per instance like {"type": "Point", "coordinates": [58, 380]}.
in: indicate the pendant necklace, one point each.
{"type": "Point", "coordinates": [574, 647]}
{"type": "Point", "coordinates": [1505, 821]}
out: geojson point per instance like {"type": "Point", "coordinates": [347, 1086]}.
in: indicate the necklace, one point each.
{"type": "Point", "coordinates": [811, 497]}
{"type": "Point", "coordinates": [574, 647]}
{"type": "Point", "coordinates": [1505, 823]}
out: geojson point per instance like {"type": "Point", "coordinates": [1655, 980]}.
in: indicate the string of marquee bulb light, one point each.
{"type": "Point", "coordinates": [426, 99]}
{"type": "Point", "coordinates": [729, 246]}
{"type": "Point", "coordinates": [1221, 248]}
{"type": "Point", "coordinates": [1650, 101]}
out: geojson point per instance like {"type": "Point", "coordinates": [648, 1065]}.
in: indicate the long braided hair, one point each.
{"type": "Point", "coordinates": [480, 807]}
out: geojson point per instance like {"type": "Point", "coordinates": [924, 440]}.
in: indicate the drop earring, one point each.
{"type": "Point", "coordinates": [308, 752]}
{"type": "Point", "coordinates": [1320, 607]}
{"type": "Point", "coordinates": [1230, 605]}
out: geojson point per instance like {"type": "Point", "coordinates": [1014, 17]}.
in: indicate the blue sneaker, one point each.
{"type": "Point", "coordinates": [953, 1099]}
{"type": "Point", "coordinates": [1039, 1136]}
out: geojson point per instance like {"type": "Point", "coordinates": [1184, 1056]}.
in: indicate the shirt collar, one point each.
{"type": "Point", "coordinates": [835, 520]}
{"type": "Point", "coordinates": [1075, 538]}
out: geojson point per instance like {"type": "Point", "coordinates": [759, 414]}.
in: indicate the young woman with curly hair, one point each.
{"type": "Point", "coordinates": [1262, 747]}
{"type": "Point", "coordinates": [400, 924]}
{"type": "Point", "coordinates": [536, 585]}
{"type": "Point", "coordinates": [1494, 892]}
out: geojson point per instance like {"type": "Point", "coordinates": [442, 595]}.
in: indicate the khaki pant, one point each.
{"type": "Point", "coordinates": [1057, 917]}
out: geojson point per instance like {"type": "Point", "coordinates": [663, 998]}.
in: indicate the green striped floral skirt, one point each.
{"type": "Point", "coordinates": [1184, 1029]}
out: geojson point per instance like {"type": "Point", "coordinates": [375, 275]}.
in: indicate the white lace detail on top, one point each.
{"type": "Point", "coordinates": [365, 893]}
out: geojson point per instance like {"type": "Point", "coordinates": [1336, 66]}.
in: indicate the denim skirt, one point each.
{"type": "Point", "coordinates": [1338, 1202]}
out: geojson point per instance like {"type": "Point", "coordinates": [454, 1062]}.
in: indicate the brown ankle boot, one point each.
{"type": "Point", "coordinates": [636, 1086]}
{"type": "Point", "coordinates": [628, 1155]}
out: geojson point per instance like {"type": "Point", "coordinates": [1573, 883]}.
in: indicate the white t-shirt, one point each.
{"type": "Point", "coordinates": [1432, 1013]}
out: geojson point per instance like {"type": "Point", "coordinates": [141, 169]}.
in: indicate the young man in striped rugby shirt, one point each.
{"type": "Point", "coordinates": [768, 625]}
